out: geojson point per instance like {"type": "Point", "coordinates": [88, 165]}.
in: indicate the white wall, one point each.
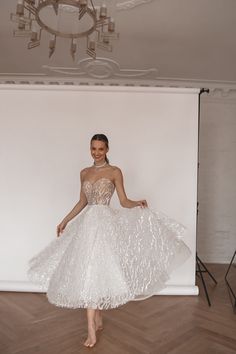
{"type": "Point", "coordinates": [217, 180]}
{"type": "Point", "coordinates": [45, 143]}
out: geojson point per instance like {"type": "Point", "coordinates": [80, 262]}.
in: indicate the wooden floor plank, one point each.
{"type": "Point", "coordinates": [29, 324]}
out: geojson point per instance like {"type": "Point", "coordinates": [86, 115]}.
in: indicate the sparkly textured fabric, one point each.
{"type": "Point", "coordinates": [107, 257]}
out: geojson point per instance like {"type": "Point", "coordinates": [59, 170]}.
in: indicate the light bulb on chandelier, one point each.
{"type": "Point", "coordinates": [99, 33]}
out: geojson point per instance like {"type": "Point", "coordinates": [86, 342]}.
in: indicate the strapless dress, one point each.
{"type": "Point", "coordinates": [106, 257]}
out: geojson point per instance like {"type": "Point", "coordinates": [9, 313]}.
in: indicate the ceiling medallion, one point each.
{"type": "Point", "coordinates": [129, 4]}
{"type": "Point", "coordinates": [92, 23]}
{"type": "Point", "coordinates": [101, 68]}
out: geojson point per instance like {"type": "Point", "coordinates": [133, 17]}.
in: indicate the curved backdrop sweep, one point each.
{"type": "Point", "coordinates": [44, 143]}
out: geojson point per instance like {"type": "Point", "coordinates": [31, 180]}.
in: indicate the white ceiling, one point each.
{"type": "Point", "coordinates": [192, 40]}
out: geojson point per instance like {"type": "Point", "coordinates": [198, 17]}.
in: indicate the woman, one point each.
{"type": "Point", "coordinates": [107, 257]}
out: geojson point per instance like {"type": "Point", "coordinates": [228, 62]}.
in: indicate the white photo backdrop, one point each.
{"type": "Point", "coordinates": [44, 143]}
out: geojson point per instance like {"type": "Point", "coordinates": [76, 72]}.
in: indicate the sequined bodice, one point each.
{"type": "Point", "coordinates": [99, 192]}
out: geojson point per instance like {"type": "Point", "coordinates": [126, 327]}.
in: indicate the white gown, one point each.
{"type": "Point", "coordinates": [106, 257]}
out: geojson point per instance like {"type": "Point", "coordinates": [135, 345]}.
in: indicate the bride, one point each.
{"type": "Point", "coordinates": [106, 257]}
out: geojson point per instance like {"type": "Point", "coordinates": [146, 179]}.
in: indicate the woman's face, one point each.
{"type": "Point", "coordinates": [98, 151]}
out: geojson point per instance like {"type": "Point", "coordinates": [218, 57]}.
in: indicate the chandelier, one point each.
{"type": "Point", "coordinates": [90, 22]}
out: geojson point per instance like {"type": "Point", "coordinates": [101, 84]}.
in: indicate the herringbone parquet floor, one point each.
{"type": "Point", "coordinates": [29, 324]}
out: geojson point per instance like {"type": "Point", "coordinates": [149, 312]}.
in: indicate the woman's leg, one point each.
{"type": "Point", "coordinates": [91, 340]}
{"type": "Point", "coordinates": [98, 319]}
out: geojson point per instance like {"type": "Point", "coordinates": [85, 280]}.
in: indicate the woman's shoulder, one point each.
{"type": "Point", "coordinates": [115, 169]}
{"type": "Point", "coordinates": [84, 171]}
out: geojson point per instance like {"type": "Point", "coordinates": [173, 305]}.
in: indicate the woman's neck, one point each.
{"type": "Point", "coordinates": [102, 164]}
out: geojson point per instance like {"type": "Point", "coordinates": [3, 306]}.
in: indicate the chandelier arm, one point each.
{"type": "Point", "coordinates": [91, 1]}
{"type": "Point", "coordinates": [31, 8]}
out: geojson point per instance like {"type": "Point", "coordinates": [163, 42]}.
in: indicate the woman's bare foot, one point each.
{"type": "Point", "coordinates": [91, 339]}
{"type": "Point", "coordinates": [98, 320]}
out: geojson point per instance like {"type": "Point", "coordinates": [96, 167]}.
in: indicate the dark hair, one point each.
{"type": "Point", "coordinates": [101, 137]}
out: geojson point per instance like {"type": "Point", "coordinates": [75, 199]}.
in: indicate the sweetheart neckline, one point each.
{"type": "Point", "coordinates": [99, 179]}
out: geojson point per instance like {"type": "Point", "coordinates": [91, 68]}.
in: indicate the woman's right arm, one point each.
{"type": "Point", "coordinates": [124, 201]}
{"type": "Point", "coordinates": [76, 209]}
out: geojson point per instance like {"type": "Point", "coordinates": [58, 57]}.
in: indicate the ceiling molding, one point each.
{"type": "Point", "coordinates": [219, 94]}
{"type": "Point", "coordinates": [217, 91]}
{"type": "Point", "coordinates": [217, 88]}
